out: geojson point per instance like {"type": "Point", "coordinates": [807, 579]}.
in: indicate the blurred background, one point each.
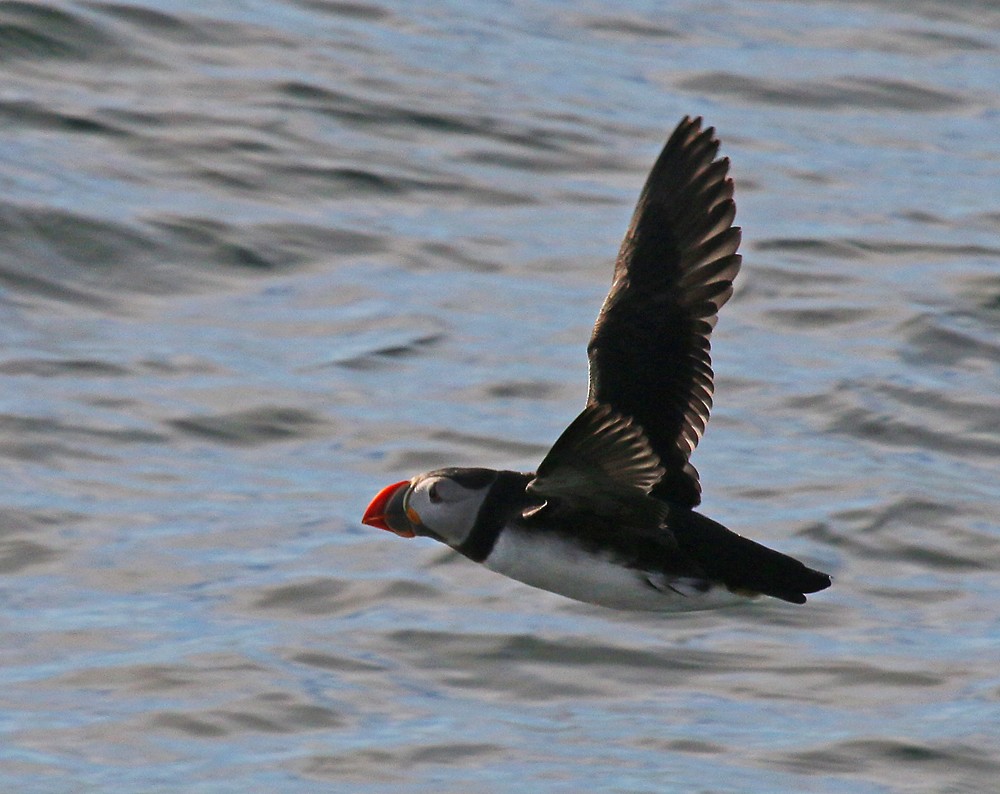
{"type": "Point", "coordinates": [259, 259]}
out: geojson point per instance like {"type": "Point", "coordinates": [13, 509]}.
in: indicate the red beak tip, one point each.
{"type": "Point", "coordinates": [375, 514]}
{"type": "Point", "coordinates": [374, 521]}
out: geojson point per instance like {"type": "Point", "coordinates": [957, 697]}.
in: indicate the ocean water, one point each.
{"type": "Point", "coordinates": [259, 259]}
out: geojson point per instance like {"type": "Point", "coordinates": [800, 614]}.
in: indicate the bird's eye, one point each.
{"type": "Point", "coordinates": [432, 492]}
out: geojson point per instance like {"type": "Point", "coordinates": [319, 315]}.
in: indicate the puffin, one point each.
{"type": "Point", "coordinates": [608, 518]}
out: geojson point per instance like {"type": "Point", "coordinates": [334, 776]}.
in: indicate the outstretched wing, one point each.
{"type": "Point", "coordinates": [649, 353]}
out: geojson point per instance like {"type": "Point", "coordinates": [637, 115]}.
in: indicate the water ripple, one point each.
{"type": "Point", "coordinates": [831, 94]}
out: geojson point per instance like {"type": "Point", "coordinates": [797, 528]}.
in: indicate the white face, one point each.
{"type": "Point", "coordinates": [437, 505]}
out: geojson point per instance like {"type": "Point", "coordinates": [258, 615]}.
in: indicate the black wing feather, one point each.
{"type": "Point", "coordinates": [602, 466]}
{"type": "Point", "coordinates": [649, 353]}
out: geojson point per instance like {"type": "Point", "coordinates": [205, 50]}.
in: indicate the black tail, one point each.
{"type": "Point", "coordinates": [741, 564]}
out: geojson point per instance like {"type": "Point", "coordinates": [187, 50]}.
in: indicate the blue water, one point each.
{"type": "Point", "coordinates": [259, 259]}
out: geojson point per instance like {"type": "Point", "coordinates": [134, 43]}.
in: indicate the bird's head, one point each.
{"type": "Point", "coordinates": [441, 504]}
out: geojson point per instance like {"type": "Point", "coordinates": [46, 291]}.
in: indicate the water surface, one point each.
{"type": "Point", "coordinates": [259, 259]}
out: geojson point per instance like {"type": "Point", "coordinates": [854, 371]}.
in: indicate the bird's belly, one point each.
{"type": "Point", "coordinates": [553, 563]}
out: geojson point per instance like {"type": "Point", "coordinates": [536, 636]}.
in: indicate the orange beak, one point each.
{"type": "Point", "coordinates": [386, 509]}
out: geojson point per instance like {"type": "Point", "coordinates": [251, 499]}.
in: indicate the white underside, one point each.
{"type": "Point", "coordinates": [552, 563]}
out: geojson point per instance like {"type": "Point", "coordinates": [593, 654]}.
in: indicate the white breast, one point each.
{"type": "Point", "coordinates": [553, 563]}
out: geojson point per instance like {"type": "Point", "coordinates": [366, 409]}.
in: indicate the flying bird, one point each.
{"type": "Point", "coordinates": [608, 518]}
